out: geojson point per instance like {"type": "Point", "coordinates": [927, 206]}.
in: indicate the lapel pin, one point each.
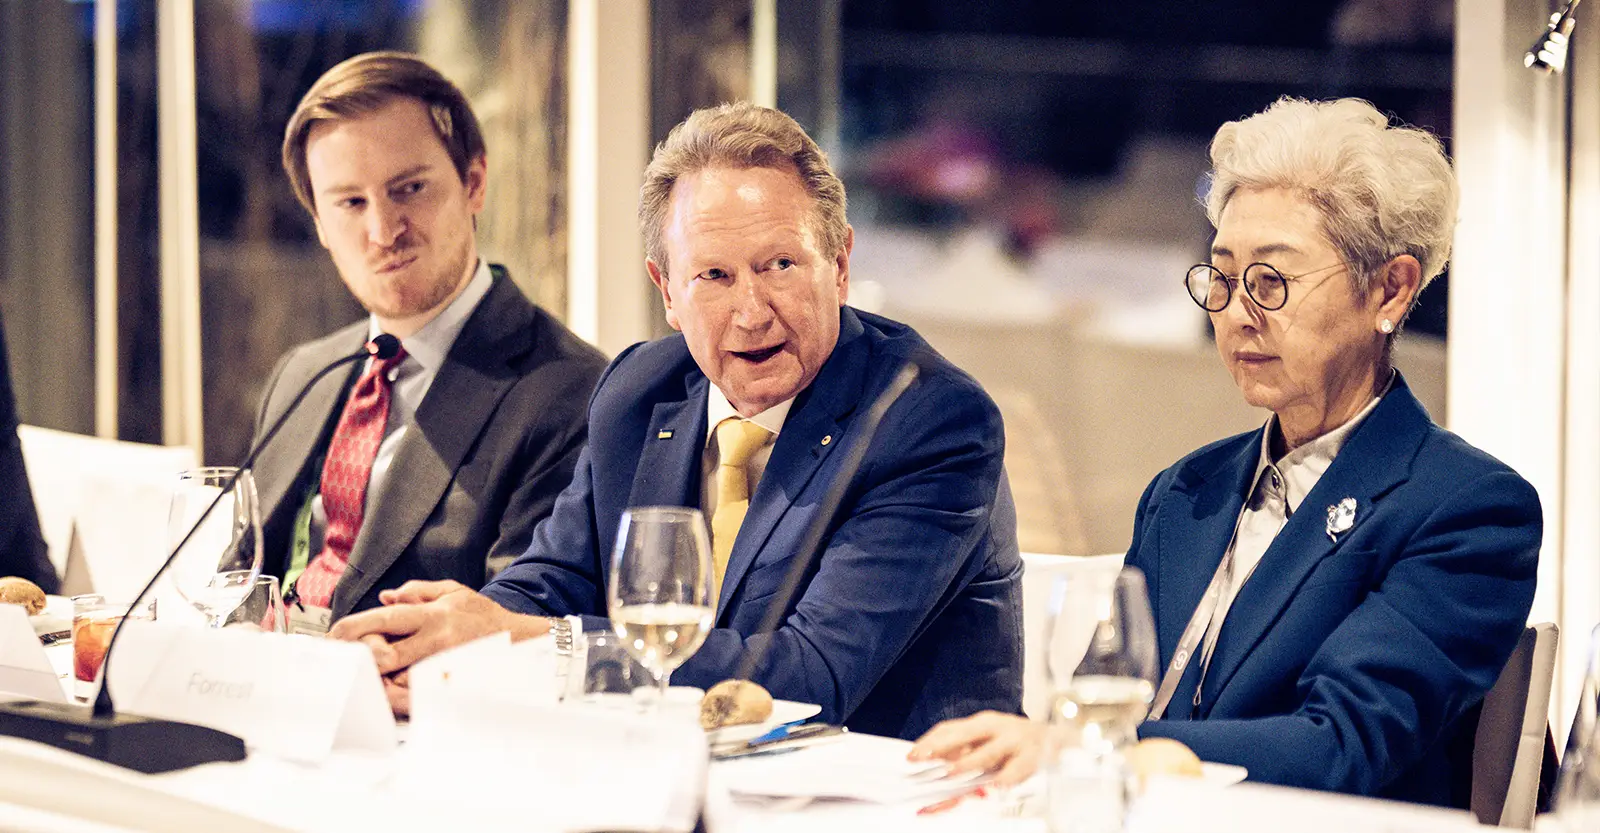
{"type": "Point", "coordinates": [1341, 516]}
{"type": "Point", "coordinates": [827, 439]}
{"type": "Point", "coordinates": [665, 434]}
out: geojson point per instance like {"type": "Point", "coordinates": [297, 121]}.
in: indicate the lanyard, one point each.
{"type": "Point", "coordinates": [1200, 622]}
{"type": "Point", "coordinates": [1193, 633]}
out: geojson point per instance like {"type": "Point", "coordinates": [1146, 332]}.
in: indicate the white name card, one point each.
{"type": "Point", "coordinates": [493, 703]}
{"type": "Point", "coordinates": [491, 670]}
{"type": "Point", "coordinates": [291, 696]}
{"type": "Point", "coordinates": [25, 671]}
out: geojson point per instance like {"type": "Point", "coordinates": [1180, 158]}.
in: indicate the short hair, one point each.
{"type": "Point", "coordinates": [1382, 191]}
{"type": "Point", "coordinates": [740, 135]}
{"type": "Point", "coordinates": [366, 83]}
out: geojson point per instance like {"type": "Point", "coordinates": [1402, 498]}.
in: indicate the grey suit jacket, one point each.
{"type": "Point", "coordinates": [495, 440]}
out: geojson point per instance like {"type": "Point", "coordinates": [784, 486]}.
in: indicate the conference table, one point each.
{"type": "Point", "coordinates": [44, 789]}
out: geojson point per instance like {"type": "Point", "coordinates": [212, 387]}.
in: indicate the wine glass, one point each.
{"type": "Point", "coordinates": [1101, 653]}
{"type": "Point", "coordinates": [216, 567]}
{"type": "Point", "coordinates": [1577, 798]}
{"type": "Point", "coordinates": [659, 594]}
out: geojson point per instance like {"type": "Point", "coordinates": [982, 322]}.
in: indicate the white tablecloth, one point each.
{"type": "Point", "coordinates": [44, 789]}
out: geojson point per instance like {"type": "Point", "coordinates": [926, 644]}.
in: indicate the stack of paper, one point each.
{"type": "Point", "coordinates": [863, 768]}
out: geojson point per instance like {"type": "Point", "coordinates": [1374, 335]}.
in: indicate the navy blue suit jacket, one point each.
{"type": "Point", "coordinates": [911, 615]}
{"type": "Point", "coordinates": [1354, 665]}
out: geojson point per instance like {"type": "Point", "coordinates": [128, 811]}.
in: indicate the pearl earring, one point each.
{"type": "Point", "coordinates": [1386, 326]}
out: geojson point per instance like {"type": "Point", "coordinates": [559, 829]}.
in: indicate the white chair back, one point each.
{"type": "Point", "coordinates": [1508, 750]}
{"type": "Point", "coordinates": [1039, 575]}
{"type": "Point", "coordinates": [102, 506]}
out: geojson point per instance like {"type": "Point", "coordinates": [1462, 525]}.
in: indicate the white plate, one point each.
{"type": "Point", "coordinates": [1211, 775]}
{"type": "Point", "coordinates": [1222, 775]}
{"type": "Point", "coordinates": [57, 616]}
{"type": "Point", "coordinates": [783, 711]}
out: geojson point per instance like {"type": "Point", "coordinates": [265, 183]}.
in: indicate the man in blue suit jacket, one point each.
{"type": "Point", "coordinates": [910, 612]}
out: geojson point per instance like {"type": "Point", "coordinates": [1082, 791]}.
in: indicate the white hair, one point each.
{"type": "Point", "coordinates": [1382, 191]}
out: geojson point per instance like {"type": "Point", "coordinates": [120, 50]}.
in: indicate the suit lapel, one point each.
{"type": "Point", "coordinates": [815, 427]}
{"type": "Point", "coordinates": [669, 471]}
{"type": "Point", "coordinates": [796, 456]}
{"type": "Point", "coordinates": [1376, 458]}
{"type": "Point", "coordinates": [479, 370]}
{"type": "Point", "coordinates": [282, 463]}
{"type": "Point", "coordinates": [1197, 522]}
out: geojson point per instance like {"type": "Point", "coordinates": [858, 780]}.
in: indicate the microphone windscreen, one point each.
{"type": "Point", "coordinates": [385, 346]}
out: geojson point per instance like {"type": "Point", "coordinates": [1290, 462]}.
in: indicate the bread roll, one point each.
{"type": "Point", "coordinates": [732, 702]}
{"type": "Point", "coordinates": [20, 591]}
{"type": "Point", "coordinates": [1163, 756]}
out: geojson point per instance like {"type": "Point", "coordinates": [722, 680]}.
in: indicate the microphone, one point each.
{"type": "Point", "coordinates": [141, 743]}
{"type": "Point", "coordinates": [1549, 52]}
{"type": "Point", "coordinates": [811, 546]}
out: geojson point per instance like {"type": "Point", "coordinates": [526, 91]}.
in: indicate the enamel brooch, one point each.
{"type": "Point", "coordinates": [1341, 516]}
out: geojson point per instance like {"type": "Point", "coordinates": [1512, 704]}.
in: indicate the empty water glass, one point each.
{"type": "Point", "coordinates": [607, 667]}
{"type": "Point", "coordinates": [262, 608]}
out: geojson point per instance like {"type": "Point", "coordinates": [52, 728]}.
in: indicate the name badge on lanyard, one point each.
{"type": "Point", "coordinates": [309, 620]}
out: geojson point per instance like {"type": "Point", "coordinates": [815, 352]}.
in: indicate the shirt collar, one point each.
{"type": "Point", "coordinates": [1301, 468]}
{"type": "Point", "coordinates": [430, 345]}
{"type": "Point", "coordinates": [718, 408]}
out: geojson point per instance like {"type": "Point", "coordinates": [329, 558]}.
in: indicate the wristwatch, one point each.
{"type": "Point", "coordinates": [561, 632]}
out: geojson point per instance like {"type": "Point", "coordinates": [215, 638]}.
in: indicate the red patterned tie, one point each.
{"type": "Point", "coordinates": [344, 479]}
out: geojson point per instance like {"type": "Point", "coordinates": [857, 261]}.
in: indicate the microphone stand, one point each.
{"type": "Point", "coordinates": [146, 744]}
{"type": "Point", "coordinates": [811, 546]}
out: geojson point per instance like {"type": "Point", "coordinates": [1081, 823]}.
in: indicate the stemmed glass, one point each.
{"type": "Point", "coordinates": [1101, 656]}
{"type": "Point", "coordinates": [217, 568]}
{"type": "Point", "coordinates": [1101, 653]}
{"type": "Point", "coordinates": [659, 594]}
{"type": "Point", "coordinates": [1577, 798]}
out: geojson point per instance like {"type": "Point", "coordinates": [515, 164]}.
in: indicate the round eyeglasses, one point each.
{"type": "Point", "coordinates": [1212, 289]}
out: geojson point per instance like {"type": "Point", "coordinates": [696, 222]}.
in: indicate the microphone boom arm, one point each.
{"type": "Point", "coordinates": [810, 546]}
{"type": "Point", "coordinates": [379, 347]}
{"type": "Point", "coordinates": [141, 743]}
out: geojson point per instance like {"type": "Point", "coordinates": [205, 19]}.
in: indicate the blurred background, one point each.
{"type": "Point", "coordinates": [1024, 181]}
{"type": "Point", "coordinates": [1023, 174]}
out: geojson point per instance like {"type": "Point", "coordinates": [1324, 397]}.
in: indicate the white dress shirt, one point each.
{"type": "Point", "coordinates": [1279, 487]}
{"type": "Point", "coordinates": [426, 350]}
{"type": "Point", "coordinates": [719, 408]}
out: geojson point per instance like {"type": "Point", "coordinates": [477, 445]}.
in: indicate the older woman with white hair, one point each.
{"type": "Point", "coordinates": [1341, 587]}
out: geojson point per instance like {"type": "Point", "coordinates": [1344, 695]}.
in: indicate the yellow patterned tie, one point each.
{"type": "Point", "coordinates": [737, 440]}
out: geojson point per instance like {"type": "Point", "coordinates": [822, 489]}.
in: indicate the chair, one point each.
{"type": "Point", "coordinates": [102, 506]}
{"type": "Point", "coordinates": [1039, 574]}
{"type": "Point", "coordinates": [1509, 746]}
{"type": "Point", "coordinates": [1048, 519]}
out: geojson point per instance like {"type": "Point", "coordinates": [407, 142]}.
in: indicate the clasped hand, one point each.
{"type": "Point", "coordinates": [421, 618]}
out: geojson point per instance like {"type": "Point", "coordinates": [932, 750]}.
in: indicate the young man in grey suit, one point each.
{"type": "Point", "coordinates": [438, 462]}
